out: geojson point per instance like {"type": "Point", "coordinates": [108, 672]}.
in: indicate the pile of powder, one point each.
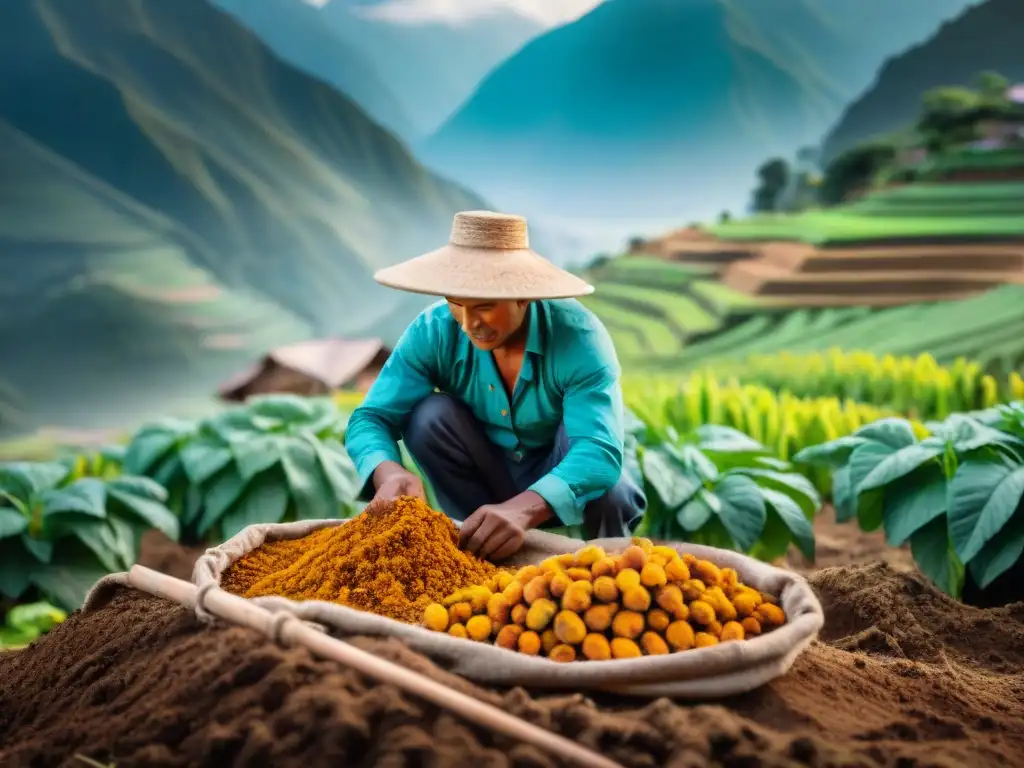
{"type": "Point", "coordinates": [392, 560]}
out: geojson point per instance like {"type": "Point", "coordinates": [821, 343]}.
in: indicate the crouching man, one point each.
{"type": "Point", "coordinates": [506, 394]}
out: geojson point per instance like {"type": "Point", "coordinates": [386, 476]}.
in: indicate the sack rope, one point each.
{"type": "Point", "coordinates": [286, 629]}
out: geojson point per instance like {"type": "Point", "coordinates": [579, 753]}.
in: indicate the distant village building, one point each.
{"type": "Point", "coordinates": [311, 368]}
{"type": "Point", "coordinates": [1004, 132]}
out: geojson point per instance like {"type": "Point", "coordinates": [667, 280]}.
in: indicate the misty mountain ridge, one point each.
{"type": "Point", "coordinates": [649, 107]}
{"type": "Point", "coordinates": [986, 37]}
{"type": "Point", "coordinates": [183, 202]}
{"type": "Point", "coordinates": [409, 77]}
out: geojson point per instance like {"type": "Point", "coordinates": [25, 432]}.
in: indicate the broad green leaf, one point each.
{"type": "Point", "coordinates": [1000, 553]}
{"type": "Point", "coordinates": [28, 478]}
{"type": "Point", "coordinates": [743, 510]}
{"type": "Point", "coordinates": [265, 501]}
{"type": "Point", "coordinates": [339, 471]}
{"type": "Point", "coordinates": [912, 503]}
{"type": "Point", "coordinates": [192, 506]}
{"type": "Point", "coordinates": [12, 522]}
{"type": "Point", "coordinates": [13, 638]}
{"type": "Point", "coordinates": [153, 513]}
{"type": "Point", "coordinates": [713, 534]}
{"type": "Point", "coordinates": [168, 473]}
{"type": "Point", "coordinates": [142, 487]}
{"type": "Point", "coordinates": [720, 439]}
{"type": "Point", "coordinates": [794, 518]}
{"type": "Point", "coordinates": [40, 549]}
{"type": "Point", "coordinates": [255, 454]}
{"type": "Point", "coordinates": [309, 489]}
{"type": "Point", "coordinates": [775, 538]}
{"type": "Point", "coordinates": [225, 489]}
{"type": "Point", "coordinates": [100, 540]}
{"type": "Point", "coordinates": [843, 498]}
{"type": "Point", "coordinates": [150, 445]}
{"type": "Point", "coordinates": [87, 496]}
{"type": "Point", "coordinates": [39, 616]}
{"type": "Point", "coordinates": [235, 424]}
{"type": "Point", "coordinates": [16, 567]}
{"type": "Point", "coordinates": [968, 434]}
{"type": "Point", "coordinates": [693, 515]}
{"type": "Point", "coordinates": [899, 464]}
{"type": "Point", "coordinates": [123, 540]}
{"type": "Point", "coordinates": [848, 502]}
{"type": "Point", "coordinates": [794, 485]}
{"type": "Point", "coordinates": [983, 496]}
{"type": "Point", "coordinates": [67, 584]}
{"type": "Point", "coordinates": [933, 553]}
{"type": "Point", "coordinates": [203, 457]}
{"type": "Point", "coordinates": [891, 432]}
{"type": "Point", "coordinates": [693, 460]}
{"type": "Point", "coordinates": [285, 407]}
{"type": "Point", "coordinates": [870, 510]}
{"type": "Point", "coordinates": [833, 454]}
{"type": "Point", "coordinates": [673, 484]}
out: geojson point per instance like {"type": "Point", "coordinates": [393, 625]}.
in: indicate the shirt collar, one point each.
{"type": "Point", "coordinates": [534, 334]}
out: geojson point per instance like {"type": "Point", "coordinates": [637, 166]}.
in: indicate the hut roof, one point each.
{"type": "Point", "coordinates": [334, 362]}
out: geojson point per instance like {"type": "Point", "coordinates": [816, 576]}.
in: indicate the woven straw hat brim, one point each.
{"type": "Point", "coordinates": [483, 274]}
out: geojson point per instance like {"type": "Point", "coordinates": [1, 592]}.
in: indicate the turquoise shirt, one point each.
{"type": "Point", "coordinates": [570, 375]}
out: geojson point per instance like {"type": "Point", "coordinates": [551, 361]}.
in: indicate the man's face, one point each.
{"type": "Point", "coordinates": [489, 324]}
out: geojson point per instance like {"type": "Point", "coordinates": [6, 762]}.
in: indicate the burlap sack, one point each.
{"type": "Point", "coordinates": [722, 670]}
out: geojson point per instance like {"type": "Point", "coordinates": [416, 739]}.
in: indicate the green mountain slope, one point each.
{"type": "Point", "coordinates": [301, 35]}
{"type": "Point", "coordinates": [409, 76]}
{"type": "Point", "coordinates": [988, 36]}
{"type": "Point", "coordinates": [652, 107]}
{"type": "Point", "coordinates": [174, 200]}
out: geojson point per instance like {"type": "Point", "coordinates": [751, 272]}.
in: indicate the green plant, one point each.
{"type": "Point", "coordinates": [957, 494]}
{"type": "Point", "coordinates": [717, 486]}
{"type": "Point", "coordinates": [277, 458]}
{"type": "Point", "coordinates": [25, 623]}
{"type": "Point", "coordinates": [60, 535]}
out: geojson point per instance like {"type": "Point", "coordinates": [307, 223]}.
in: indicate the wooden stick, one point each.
{"type": "Point", "coordinates": [239, 610]}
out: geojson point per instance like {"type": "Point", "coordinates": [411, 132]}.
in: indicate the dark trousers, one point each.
{"type": "Point", "coordinates": [468, 471]}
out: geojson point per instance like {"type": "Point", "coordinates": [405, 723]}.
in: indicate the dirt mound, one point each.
{"type": "Point", "coordinates": [902, 677]}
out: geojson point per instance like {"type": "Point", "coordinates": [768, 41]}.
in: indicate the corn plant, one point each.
{"type": "Point", "coordinates": [957, 495]}
{"type": "Point", "coordinates": [60, 535]}
{"type": "Point", "coordinates": [714, 485]}
{"type": "Point", "coordinates": [784, 423]}
{"type": "Point", "coordinates": [909, 386]}
{"type": "Point", "coordinates": [275, 459]}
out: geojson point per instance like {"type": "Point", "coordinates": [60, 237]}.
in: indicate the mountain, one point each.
{"type": "Point", "coordinates": [301, 35]}
{"type": "Point", "coordinates": [988, 36]}
{"type": "Point", "coordinates": [175, 200]}
{"type": "Point", "coordinates": [409, 76]}
{"type": "Point", "coordinates": [653, 107]}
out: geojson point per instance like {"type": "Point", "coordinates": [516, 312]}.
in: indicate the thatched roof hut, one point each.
{"type": "Point", "coordinates": [316, 367]}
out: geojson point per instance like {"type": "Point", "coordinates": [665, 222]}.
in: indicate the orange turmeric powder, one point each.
{"type": "Point", "coordinates": [393, 560]}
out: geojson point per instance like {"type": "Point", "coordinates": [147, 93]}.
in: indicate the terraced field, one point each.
{"type": "Point", "coordinates": [988, 329]}
{"type": "Point", "coordinates": [652, 306]}
{"type": "Point", "coordinates": [922, 212]}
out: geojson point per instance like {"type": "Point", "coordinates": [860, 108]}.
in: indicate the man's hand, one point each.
{"type": "Point", "coordinates": [393, 480]}
{"type": "Point", "coordinates": [497, 531]}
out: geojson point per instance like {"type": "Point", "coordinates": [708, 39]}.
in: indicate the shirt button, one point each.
{"type": "Point", "coordinates": [504, 412]}
{"type": "Point", "coordinates": [491, 387]}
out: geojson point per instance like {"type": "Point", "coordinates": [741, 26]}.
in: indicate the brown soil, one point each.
{"type": "Point", "coordinates": [901, 676]}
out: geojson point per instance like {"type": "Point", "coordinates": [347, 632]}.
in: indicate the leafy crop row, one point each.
{"type": "Point", "coordinates": [957, 494]}
{"type": "Point", "coordinates": [911, 386]}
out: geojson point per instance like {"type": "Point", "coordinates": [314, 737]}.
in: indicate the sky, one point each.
{"type": "Point", "coordinates": [549, 13]}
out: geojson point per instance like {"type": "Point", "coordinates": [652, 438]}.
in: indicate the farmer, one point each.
{"type": "Point", "coordinates": [506, 395]}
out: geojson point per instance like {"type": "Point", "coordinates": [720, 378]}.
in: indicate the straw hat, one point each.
{"type": "Point", "coordinates": [488, 256]}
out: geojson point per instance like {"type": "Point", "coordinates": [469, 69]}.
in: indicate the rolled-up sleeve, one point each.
{"type": "Point", "coordinates": [594, 425]}
{"type": "Point", "coordinates": [407, 377]}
